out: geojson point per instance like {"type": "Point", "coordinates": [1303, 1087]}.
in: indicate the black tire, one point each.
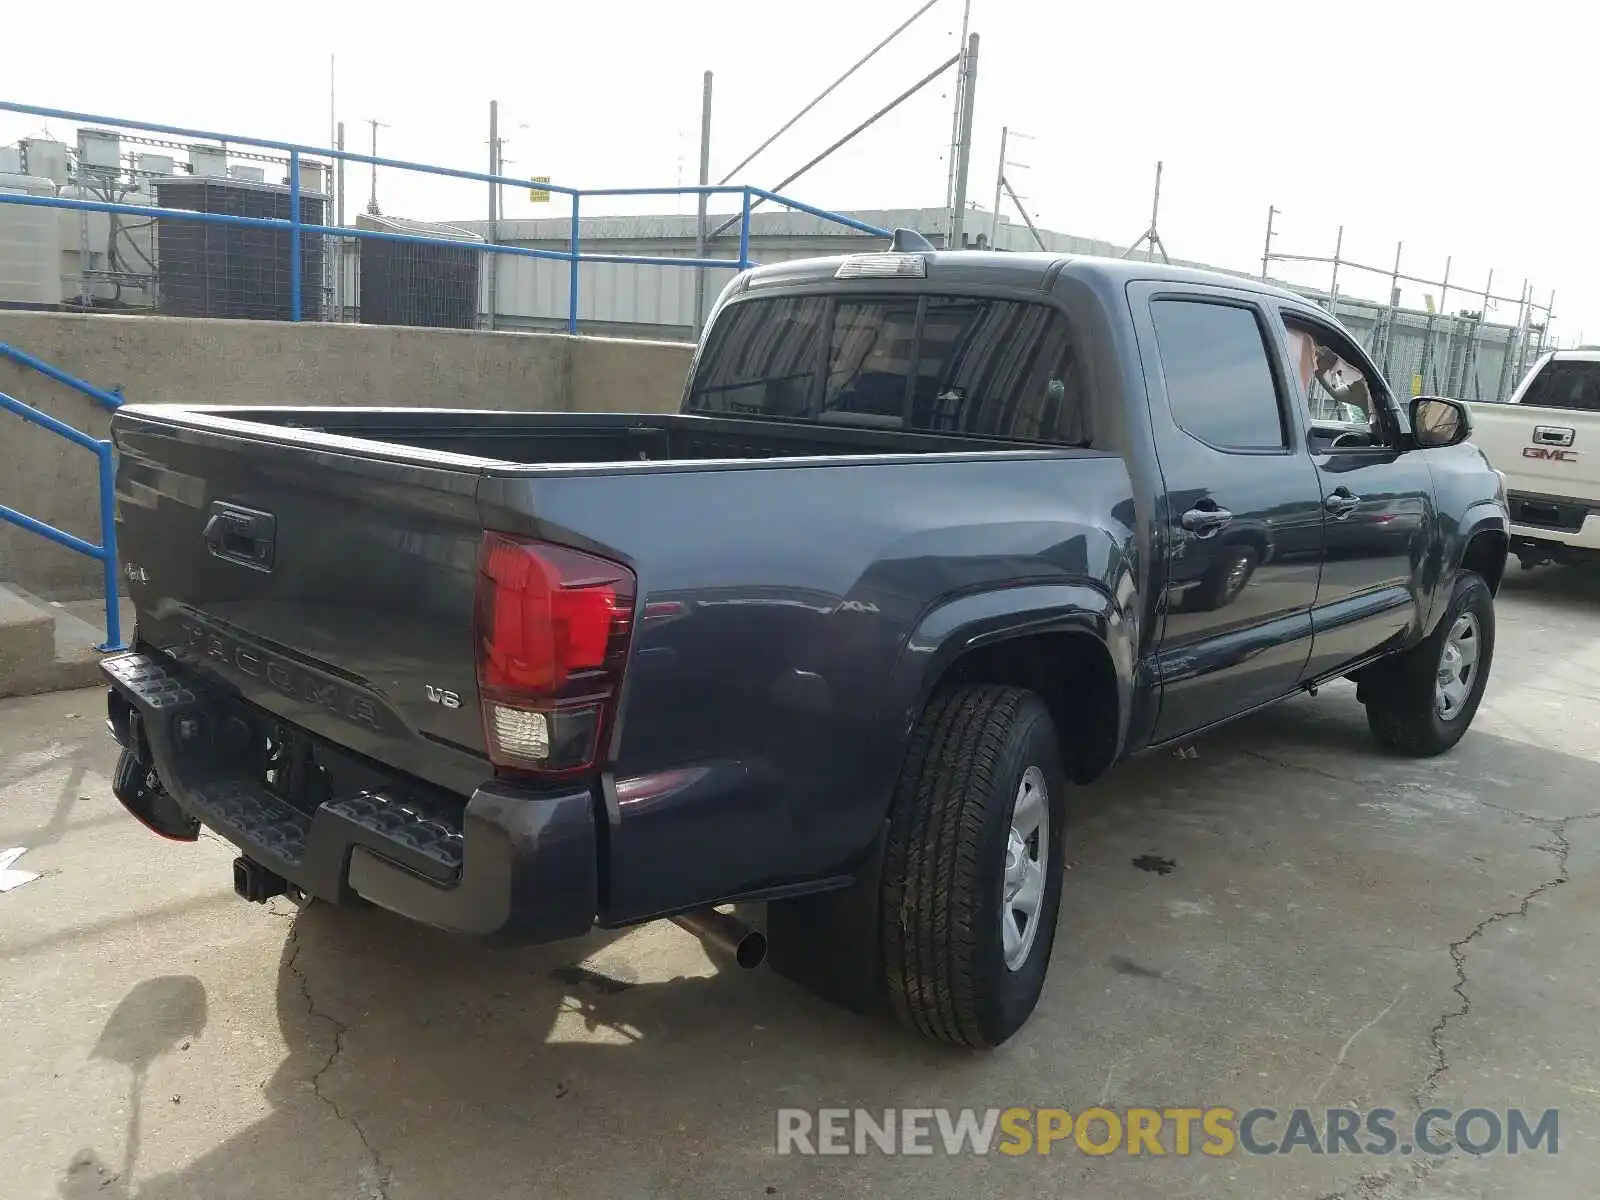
{"type": "Point", "coordinates": [944, 866]}
{"type": "Point", "coordinates": [1402, 708]}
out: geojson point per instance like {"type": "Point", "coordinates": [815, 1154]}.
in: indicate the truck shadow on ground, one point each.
{"type": "Point", "coordinates": [423, 1065]}
{"type": "Point", "coordinates": [1576, 588]}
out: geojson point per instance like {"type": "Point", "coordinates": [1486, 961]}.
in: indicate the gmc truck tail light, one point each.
{"type": "Point", "coordinates": [552, 634]}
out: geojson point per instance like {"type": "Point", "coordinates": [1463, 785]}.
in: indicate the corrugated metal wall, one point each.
{"type": "Point", "coordinates": [1418, 352]}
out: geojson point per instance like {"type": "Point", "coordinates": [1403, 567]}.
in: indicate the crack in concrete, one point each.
{"type": "Point", "coordinates": [1561, 849]}
{"type": "Point", "coordinates": [377, 1186]}
{"type": "Point", "coordinates": [1309, 770]}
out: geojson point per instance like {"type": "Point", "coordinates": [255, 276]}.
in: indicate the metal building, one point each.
{"type": "Point", "coordinates": [1456, 354]}
{"type": "Point", "coordinates": [629, 300]}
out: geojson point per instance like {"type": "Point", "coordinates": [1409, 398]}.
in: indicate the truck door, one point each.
{"type": "Point", "coordinates": [1243, 519]}
{"type": "Point", "coordinates": [1377, 499]}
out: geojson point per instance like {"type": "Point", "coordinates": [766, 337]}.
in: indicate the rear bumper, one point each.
{"type": "Point", "coordinates": [1554, 520]}
{"type": "Point", "coordinates": [513, 863]}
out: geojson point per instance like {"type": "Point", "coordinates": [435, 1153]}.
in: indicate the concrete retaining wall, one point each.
{"type": "Point", "coordinates": [183, 361]}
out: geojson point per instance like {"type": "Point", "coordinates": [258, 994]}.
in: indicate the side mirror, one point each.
{"type": "Point", "coordinates": [1438, 421]}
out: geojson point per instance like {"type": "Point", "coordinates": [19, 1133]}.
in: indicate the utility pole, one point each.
{"type": "Point", "coordinates": [952, 207]}
{"type": "Point", "coordinates": [999, 183]}
{"type": "Point", "coordinates": [1151, 235]}
{"type": "Point", "coordinates": [1002, 187]}
{"type": "Point", "coordinates": [372, 203]}
{"type": "Point", "coordinates": [493, 264]}
{"type": "Point", "coordinates": [700, 206]}
{"type": "Point", "coordinates": [969, 81]}
{"type": "Point", "coordinates": [339, 242]}
{"type": "Point", "coordinates": [1333, 285]}
{"type": "Point", "coordinates": [1266, 253]}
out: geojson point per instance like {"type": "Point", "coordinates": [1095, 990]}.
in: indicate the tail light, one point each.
{"type": "Point", "coordinates": [552, 635]}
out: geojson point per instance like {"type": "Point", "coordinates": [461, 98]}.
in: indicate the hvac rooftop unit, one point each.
{"type": "Point", "coordinates": [248, 174]}
{"type": "Point", "coordinates": [210, 162]}
{"type": "Point", "coordinates": [30, 273]}
{"type": "Point", "coordinates": [45, 159]}
{"type": "Point", "coordinates": [99, 151]}
{"type": "Point", "coordinates": [149, 167]}
{"type": "Point", "coordinates": [213, 269]}
{"type": "Point", "coordinates": [416, 283]}
{"type": "Point", "coordinates": [10, 160]}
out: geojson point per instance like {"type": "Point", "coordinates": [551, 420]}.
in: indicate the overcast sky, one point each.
{"type": "Point", "coordinates": [1459, 130]}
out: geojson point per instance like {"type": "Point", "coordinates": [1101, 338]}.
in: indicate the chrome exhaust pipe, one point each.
{"type": "Point", "coordinates": [729, 935]}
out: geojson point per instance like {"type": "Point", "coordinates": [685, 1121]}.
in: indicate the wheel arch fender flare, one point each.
{"type": "Point", "coordinates": [962, 625]}
{"type": "Point", "coordinates": [1481, 518]}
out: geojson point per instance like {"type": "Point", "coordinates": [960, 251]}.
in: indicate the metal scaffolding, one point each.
{"type": "Point", "coordinates": [1433, 350]}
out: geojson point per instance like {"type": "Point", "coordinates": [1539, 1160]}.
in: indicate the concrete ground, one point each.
{"type": "Point", "coordinates": [1337, 927]}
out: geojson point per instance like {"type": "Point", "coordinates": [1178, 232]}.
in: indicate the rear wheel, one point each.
{"type": "Point", "coordinates": [1421, 702]}
{"type": "Point", "coordinates": [972, 874]}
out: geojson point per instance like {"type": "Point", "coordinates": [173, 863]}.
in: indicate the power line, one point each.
{"type": "Point", "coordinates": [828, 91]}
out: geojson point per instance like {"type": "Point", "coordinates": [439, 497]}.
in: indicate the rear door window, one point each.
{"type": "Point", "coordinates": [938, 364]}
{"type": "Point", "coordinates": [1566, 383]}
{"type": "Point", "coordinates": [1219, 379]}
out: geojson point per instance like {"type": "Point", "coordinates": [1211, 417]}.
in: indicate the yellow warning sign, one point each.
{"type": "Point", "coordinates": [537, 194]}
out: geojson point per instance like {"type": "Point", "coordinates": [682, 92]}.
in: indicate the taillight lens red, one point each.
{"type": "Point", "coordinates": [552, 635]}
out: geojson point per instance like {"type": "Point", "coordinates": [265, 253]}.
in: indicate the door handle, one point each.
{"type": "Point", "coordinates": [1341, 503]}
{"type": "Point", "coordinates": [1553, 435]}
{"type": "Point", "coordinates": [1203, 522]}
{"type": "Point", "coordinates": [241, 535]}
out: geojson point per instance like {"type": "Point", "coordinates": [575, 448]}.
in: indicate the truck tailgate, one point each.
{"type": "Point", "coordinates": [1545, 451]}
{"type": "Point", "coordinates": [329, 586]}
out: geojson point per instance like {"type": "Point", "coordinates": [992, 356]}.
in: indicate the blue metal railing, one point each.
{"type": "Point", "coordinates": [298, 228]}
{"type": "Point", "coordinates": [106, 551]}
{"type": "Point", "coordinates": [111, 399]}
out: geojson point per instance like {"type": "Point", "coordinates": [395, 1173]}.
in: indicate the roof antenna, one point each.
{"type": "Point", "coordinates": [909, 241]}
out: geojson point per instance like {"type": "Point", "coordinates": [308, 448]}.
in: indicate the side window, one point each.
{"type": "Point", "coordinates": [1340, 393]}
{"type": "Point", "coordinates": [1218, 376]}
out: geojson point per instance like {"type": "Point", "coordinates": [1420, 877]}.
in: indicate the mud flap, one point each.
{"type": "Point", "coordinates": [829, 943]}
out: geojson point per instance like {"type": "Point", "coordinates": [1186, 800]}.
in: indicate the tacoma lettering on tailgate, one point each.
{"type": "Point", "coordinates": [283, 676]}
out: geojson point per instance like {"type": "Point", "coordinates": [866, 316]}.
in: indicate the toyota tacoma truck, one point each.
{"type": "Point", "coordinates": [810, 665]}
{"type": "Point", "coordinates": [1546, 441]}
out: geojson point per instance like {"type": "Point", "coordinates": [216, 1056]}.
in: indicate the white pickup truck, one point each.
{"type": "Point", "coordinates": [1545, 440]}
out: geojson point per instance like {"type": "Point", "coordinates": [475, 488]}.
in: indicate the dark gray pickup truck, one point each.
{"type": "Point", "coordinates": [934, 537]}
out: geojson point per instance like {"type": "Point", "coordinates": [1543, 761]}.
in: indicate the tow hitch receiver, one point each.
{"type": "Point", "coordinates": [255, 883]}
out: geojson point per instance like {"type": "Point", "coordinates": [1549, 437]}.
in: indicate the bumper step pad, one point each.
{"type": "Point", "coordinates": [416, 832]}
